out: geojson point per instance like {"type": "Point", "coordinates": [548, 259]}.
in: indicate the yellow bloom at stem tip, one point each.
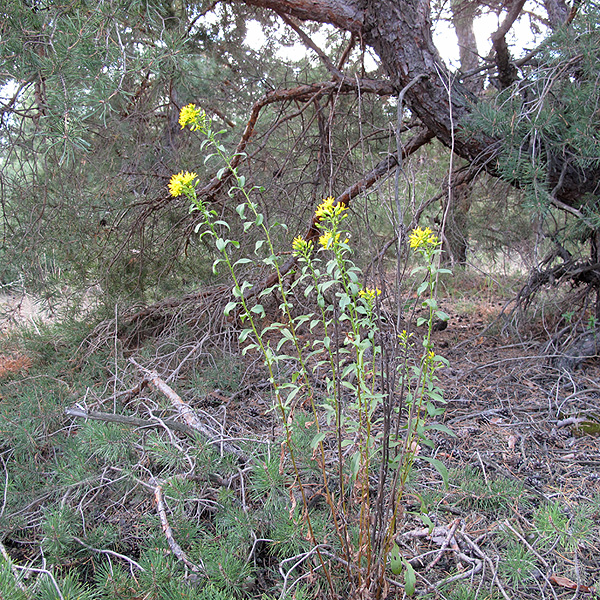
{"type": "Point", "coordinates": [329, 209]}
{"type": "Point", "coordinates": [369, 294]}
{"type": "Point", "coordinates": [192, 116]}
{"type": "Point", "coordinates": [180, 182]}
{"type": "Point", "coordinates": [188, 114]}
{"type": "Point", "coordinates": [301, 247]}
{"type": "Point", "coordinates": [422, 237]}
{"type": "Point", "coordinates": [327, 240]}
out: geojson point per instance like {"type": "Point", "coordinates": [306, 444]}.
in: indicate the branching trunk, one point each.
{"type": "Point", "coordinates": [400, 33]}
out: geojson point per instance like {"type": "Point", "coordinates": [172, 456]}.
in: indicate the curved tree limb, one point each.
{"type": "Point", "coordinates": [400, 33]}
{"type": "Point", "coordinates": [301, 93]}
{"type": "Point", "coordinates": [382, 169]}
{"type": "Point", "coordinates": [507, 71]}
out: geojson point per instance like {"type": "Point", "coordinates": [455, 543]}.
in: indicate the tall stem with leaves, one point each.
{"type": "Point", "coordinates": [352, 396]}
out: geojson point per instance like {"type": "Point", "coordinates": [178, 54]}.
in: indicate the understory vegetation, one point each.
{"type": "Point", "coordinates": [86, 502]}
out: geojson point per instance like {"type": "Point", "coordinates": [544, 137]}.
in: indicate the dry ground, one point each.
{"type": "Point", "coordinates": [516, 418]}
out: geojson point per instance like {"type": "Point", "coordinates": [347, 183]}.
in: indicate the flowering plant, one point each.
{"type": "Point", "coordinates": [352, 413]}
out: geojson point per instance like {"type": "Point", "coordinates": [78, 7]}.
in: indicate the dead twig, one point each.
{"type": "Point", "coordinates": [128, 420]}
{"type": "Point", "coordinates": [187, 413]}
{"type": "Point", "coordinates": [176, 549]}
{"type": "Point", "coordinates": [131, 562]}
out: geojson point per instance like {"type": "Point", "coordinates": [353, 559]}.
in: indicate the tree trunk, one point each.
{"type": "Point", "coordinates": [400, 33]}
{"type": "Point", "coordinates": [463, 16]}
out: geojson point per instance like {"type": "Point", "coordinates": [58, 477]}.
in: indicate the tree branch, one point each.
{"type": "Point", "coordinates": [301, 93]}
{"type": "Point", "coordinates": [507, 72]}
{"type": "Point", "coordinates": [382, 169]}
{"type": "Point", "coordinates": [187, 413]}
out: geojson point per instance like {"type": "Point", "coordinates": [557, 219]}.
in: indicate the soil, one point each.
{"type": "Point", "coordinates": [516, 417]}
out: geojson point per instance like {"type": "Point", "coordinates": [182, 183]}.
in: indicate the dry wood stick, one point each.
{"type": "Point", "coordinates": [176, 549]}
{"type": "Point", "coordinates": [187, 413]}
{"type": "Point", "coordinates": [127, 420]}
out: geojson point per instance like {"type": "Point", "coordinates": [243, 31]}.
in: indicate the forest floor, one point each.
{"type": "Point", "coordinates": [524, 499]}
{"type": "Point", "coordinates": [527, 434]}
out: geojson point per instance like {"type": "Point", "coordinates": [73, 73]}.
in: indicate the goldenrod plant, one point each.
{"type": "Point", "coordinates": [373, 413]}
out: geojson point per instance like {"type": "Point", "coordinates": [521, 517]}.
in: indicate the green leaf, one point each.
{"type": "Point", "coordinates": [421, 321]}
{"type": "Point", "coordinates": [221, 244]}
{"type": "Point", "coordinates": [395, 560]}
{"type": "Point", "coordinates": [242, 261]}
{"type": "Point", "coordinates": [427, 521]}
{"type": "Point", "coordinates": [229, 307]}
{"type": "Point", "coordinates": [245, 333]}
{"type": "Point", "coordinates": [410, 578]}
{"type": "Point", "coordinates": [441, 427]}
{"type": "Point", "coordinates": [344, 301]}
{"type": "Point", "coordinates": [440, 467]}
{"type": "Point", "coordinates": [422, 287]}
{"type": "Point", "coordinates": [258, 310]}
{"type": "Point", "coordinates": [317, 439]}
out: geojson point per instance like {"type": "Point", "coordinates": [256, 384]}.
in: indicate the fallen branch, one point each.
{"type": "Point", "coordinates": [176, 549]}
{"type": "Point", "coordinates": [131, 562]}
{"type": "Point", "coordinates": [128, 420]}
{"type": "Point", "coordinates": [188, 414]}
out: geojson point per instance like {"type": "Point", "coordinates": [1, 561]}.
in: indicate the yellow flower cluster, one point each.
{"type": "Point", "coordinates": [420, 238]}
{"type": "Point", "coordinates": [327, 240]}
{"type": "Point", "coordinates": [180, 182]}
{"type": "Point", "coordinates": [194, 117]}
{"type": "Point", "coordinates": [329, 209]}
{"type": "Point", "coordinates": [369, 294]}
{"type": "Point", "coordinates": [301, 247]}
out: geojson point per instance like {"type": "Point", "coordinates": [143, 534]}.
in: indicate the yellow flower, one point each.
{"type": "Point", "coordinates": [422, 237]}
{"type": "Point", "coordinates": [194, 117]}
{"type": "Point", "coordinates": [325, 207]}
{"type": "Point", "coordinates": [328, 208]}
{"type": "Point", "coordinates": [180, 182]}
{"type": "Point", "coordinates": [188, 114]}
{"type": "Point", "coordinates": [369, 294]}
{"type": "Point", "coordinates": [301, 247]}
{"type": "Point", "coordinates": [327, 240]}
{"type": "Point", "coordinates": [324, 240]}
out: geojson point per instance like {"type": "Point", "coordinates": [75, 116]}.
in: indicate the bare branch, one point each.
{"type": "Point", "coordinates": [187, 413]}
{"type": "Point", "coordinates": [507, 72]}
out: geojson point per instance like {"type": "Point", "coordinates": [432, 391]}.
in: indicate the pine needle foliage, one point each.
{"type": "Point", "coordinates": [10, 584]}
{"type": "Point", "coordinates": [549, 116]}
{"type": "Point", "coordinates": [498, 494]}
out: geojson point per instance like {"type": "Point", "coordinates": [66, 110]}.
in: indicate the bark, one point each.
{"type": "Point", "coordinates": [459, 200]}
{"type": "Point", "coordinates": [558, 12]}
{"type": "Point", "coordinates": [463, 16]}
{"type": "Point", "coordinates": [400, 33]}
{"type": "Point", "coordinates": [455, 232]}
